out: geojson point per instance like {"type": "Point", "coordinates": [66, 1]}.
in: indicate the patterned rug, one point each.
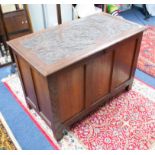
{"type": "Point", "coordinates": [126, 122]}
{"type": "Point", "coordinates": [146, 60]}
{"type": "Point", "coordinates": [7, 140]}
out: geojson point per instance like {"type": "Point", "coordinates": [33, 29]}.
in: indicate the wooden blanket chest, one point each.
{"type": "Point", "coordinates": [69, 70]}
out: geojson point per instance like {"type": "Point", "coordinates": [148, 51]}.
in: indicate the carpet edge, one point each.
{"type": "Point", "coordinates": [31, 117]}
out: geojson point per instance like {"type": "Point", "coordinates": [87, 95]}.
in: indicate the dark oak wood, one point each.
{"type": "Point", "coordinates": [58, 7]}
{"type": "Point", "coordinates": [15, 24]}
{"type": "Point", "coordinates": [4, 36]}
{"type": "Point", "coordinates": [67, 72]}
{"type": "Point", "coordinates": [28, 83]}
{"type": "Point", "coordinates": [69, 93]}
{"type": "Point", "coordinates": [123, 56]}
{"type": "Point", "coordinates": [48, 57]}
{"type": "Point", "coordinates": [2, 23]}
{"type": "Point", "coordinates": [98, 74]}
{"type": "Point", "coordinates": [18, 34]}
{"type": "Point", "coordinates": [28, 17]}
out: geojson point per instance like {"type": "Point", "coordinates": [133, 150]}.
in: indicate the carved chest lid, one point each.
{"type": "Point", "coordinates": [55, 48]}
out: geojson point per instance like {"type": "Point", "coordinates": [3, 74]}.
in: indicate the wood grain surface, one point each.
{"type": "Point", "coordinates": [60, 46]}
{"type": "Point", "coordinates": [72, 69]}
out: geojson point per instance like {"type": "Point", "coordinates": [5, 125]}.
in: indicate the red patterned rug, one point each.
{"type": "Point", "coordinates": [126, 123]}
{"type": "Point", "coordinates": [146, 60]}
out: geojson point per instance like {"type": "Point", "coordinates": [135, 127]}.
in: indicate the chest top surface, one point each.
{"type": "Point", "coordinates": [55, 48]}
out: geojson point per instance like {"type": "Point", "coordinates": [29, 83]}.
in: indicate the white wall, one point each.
{"type": "Point", "coordinates": [66, 12]}
{"type": "Point", "coordinates": [151, 9]}
{"type": "Point", "coordinates": [139, 5]}
{"type": "Point", "coordinates": [50, 15]}
{"type": "Point", "coordinates": [37, 15]}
